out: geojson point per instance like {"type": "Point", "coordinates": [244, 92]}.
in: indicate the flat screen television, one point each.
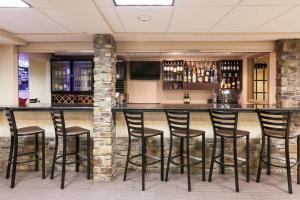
{"type": "Point", "coordinates": [145, 70]}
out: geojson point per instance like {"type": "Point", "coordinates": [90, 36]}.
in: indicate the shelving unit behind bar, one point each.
{"type": "Point", "coordinates": [205, 74]}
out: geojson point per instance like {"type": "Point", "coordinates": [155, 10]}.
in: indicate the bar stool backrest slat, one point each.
{"type": "Point", "coordinates": [224, 120]}
{"type": "Point", "coordinates": [134, 121]}
{"type": "Point", "coordinates": [9, 113]}
{"type": "Point", "coordinates": [178, 120]}
{"type": "Point", "coordinates": [275, 120]}
{"type": "Point", "coordinates": [58, 121]}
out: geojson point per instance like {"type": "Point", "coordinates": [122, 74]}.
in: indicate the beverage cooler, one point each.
{"type": "Point", "coordinates": [72, 80]}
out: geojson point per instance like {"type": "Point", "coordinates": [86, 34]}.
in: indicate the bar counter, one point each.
{"type": "Point", "coordinates": [200, 107]}
{"type": "Point", "coordinates": [47, 107]}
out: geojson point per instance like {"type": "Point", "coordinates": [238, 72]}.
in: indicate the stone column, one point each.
{"type": "Point", "coordinates": [288, 72]}
{"type": "Point", "coordinates": [104, 99]}
{"type": "Point", "coordinates": [288, 82]}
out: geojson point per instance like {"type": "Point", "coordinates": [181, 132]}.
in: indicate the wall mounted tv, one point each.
{"type": "Point", "coordinates": [145, 70]}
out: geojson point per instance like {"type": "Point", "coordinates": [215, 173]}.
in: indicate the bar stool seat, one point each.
{"type": "Point", "coordinates": [192, 133]}
{"type": "Point", "coordinates": [75, 130]}
{"type": "Point", "coordinates": [281, 134]}
{"type": "Point", "coordinates": [63, 132]}
{"type": "Point", "coordinates": [14, 153]}
{"type": "Point", "coordinates": [30, 130]}
{"type": "Point", "coordinates": [148, 132]}
{"type": "Point", "coordinates": [229, 133]}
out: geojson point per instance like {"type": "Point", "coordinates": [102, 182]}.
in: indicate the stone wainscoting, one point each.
{"type": "Point", "coordinates": [153, 148]}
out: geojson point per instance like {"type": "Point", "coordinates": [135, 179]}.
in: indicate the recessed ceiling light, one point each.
{"type": "Point", "coordinates": [144, 2]}
{"type": "Point", "coordinates": [13, 4]}
{"type": "Point", "coordinates": [144, 18]}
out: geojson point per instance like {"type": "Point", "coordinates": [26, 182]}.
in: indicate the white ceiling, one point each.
{"type": "Point", "coordinates": [78, 20]}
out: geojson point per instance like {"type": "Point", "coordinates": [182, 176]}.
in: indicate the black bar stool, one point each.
{"type": "Point", "coordinates": [74, 131]}
{"type": "Point", "coordinates": [179, 125]}
{"type": "Point", "coordinates": [135, 125]}
{"type": "Point", "coordinates": [225, 126]}
{"type": "Point", "coordinates": [276, 124]}
{"type": "Point", "coordinates": [14, 154]}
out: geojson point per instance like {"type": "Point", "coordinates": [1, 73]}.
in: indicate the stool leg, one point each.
{"type": "Point", "coordinates": [288, 165]}
{"type": "Point", "coordinates": [43, 155]}
{"type": "Point", "coordinates": [127, 159]}
{"type": "Point", "coordinates": [54, 157]}
{"type": "Point", "coordinates": [88, 155]}
{"type": "Point", "coordinates": [63, 172]}
{"type": "Point", "coordinates": [260, 159]}
{"type": "Point", "coordinates": [203, 157]}
{"type": "Point", "coordinates": [268, 156]}
{"type": "Point", "coordinates": [236, 174]}
{"type": "Point", "coordinates": [298, 160]}
{"type": "Point", "coordinates": [77, 153]}
{"type": "Point", "coordinates": [143, 163]}
{"type": "Point", "coordinates": [169, 158]}
{"type": "Point", "coordinates": [36, 152]}
{"type": "Point", "coordinates": [247, 159]}
{"type": "Point", "coordinates": [181, 155]}
{"type": "Point", "coordinates": [15, 158]}
{"type": "Point", "coordinates": [11, 149]}
{"type": "Point", "coordinates": [188, 163]}
{"type": "Point", "coordinates": [222, 156]}
{"type": "Point", "coordinates": [213, 157]}
{"type": "Point", "coordinates": [162, 157]}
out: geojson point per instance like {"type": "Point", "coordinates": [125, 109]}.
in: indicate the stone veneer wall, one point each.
{"type": "Point", "coordinates": [104, 99]}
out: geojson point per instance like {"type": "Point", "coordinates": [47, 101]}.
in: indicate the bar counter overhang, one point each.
{"type": "Point", "coordinates": [201, 107]}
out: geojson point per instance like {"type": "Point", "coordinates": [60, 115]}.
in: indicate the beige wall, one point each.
{"type": "Point", "coordinates": [39, 80]}
{"type": "Point", "coordinates": [8, 75]}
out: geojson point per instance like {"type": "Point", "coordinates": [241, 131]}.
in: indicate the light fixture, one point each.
{"type": "Point", "coordinates": [144, 2]}
{"type": "Point", "coordinates": [13, 4]}
{"type": "Point", "coordinates": [144, 18]}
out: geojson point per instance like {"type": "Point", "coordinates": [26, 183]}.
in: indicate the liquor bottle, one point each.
{"type": "Point", "coordinates": [228, 83]}
{"type": "Point", "coordinates": [189, 75]}
{"type": "Point", "coordinates": [223, 83]}
{"type": "Point", "coordinates": [185, 76]}
{"type": "Point", "coordinates": [233, 84]}
{"type": "Point", "coordinates": [234, 66]}
{"type": "Point", "coordinates": [175, 72]}
{"type": "Point", "coordinates": [225, 66]}
{"type": "Point", "coordinates": [194, 78]}
{"type": "Point", "coordinates": [188, 100]}
{"type": "Point", "coordinates": [237, 66]}
{"type": "Point", "coordinates": [238, 83]}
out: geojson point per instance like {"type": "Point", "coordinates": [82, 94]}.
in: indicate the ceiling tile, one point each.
{"type": "Point", "coordinates": [292, 16]}
{"type": "Point", "coordinates": [29, 20]}
{"type": "Point", "coordinates": [206, 2]}
{"type": "Point", "coordinates": [233, 28]}
{"type": "Point", "coordinates": [196, 19]}
{"type": "Point", "coordinates": [253, 14]}
{"type": "Point", "coordinates": [39, 3]}
{"type": "Point", "coordinates": [104, 3]}
{"type": "Point", "coordinates": [82, 16]}
{"type": "Point", "coordinates": [270, 2]}
{"type": "Point", "coordinates": [158, 22]}
{"type": "Point", "coordinates": [112, 19]}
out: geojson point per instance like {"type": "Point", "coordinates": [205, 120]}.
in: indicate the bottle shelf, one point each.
{"type": "Point", "coordinates": [201, 86]}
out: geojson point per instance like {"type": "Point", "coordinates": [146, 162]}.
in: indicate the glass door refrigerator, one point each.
{"type": "Point", "coordinates": [82, 76]}
{"type": "Point", "coordinates": [61, 76]}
